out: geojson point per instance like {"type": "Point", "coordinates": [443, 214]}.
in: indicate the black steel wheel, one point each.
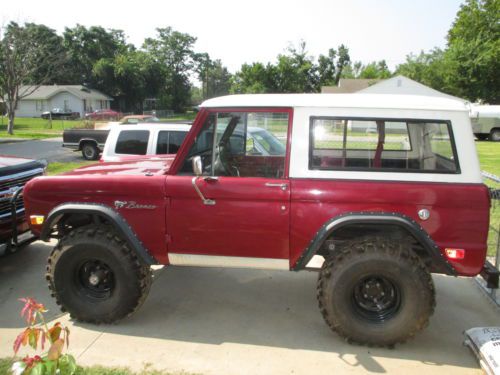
{"type": "Point", "coordinates": [376, 298]}
{"type": "Point", "coordinates": [90, 151]}
{"type": "Point", "coordinates": [375, 291]}
{"type": "Point", "coordinates": [95, 276]}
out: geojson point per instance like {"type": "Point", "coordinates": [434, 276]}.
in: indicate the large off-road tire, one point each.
{"type": "Point", "coordinates": [375, 291]}
{"type": "Point", "coordinates": [95, 276]}
{"type": "Point", "coordinates": [90, 151]}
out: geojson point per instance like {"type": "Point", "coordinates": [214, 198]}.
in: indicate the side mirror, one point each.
{"type": "Point", "coordinates": [197, 166]}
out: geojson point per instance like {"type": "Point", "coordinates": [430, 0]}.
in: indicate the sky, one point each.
{"type": "Point", "coordinates": [238, 32]}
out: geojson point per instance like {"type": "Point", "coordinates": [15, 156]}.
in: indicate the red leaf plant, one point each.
{"type": "Point", "coordinates": [38, 333]}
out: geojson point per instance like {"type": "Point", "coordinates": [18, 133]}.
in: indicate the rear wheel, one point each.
{"type": "Point", "coordinates": [376, 292]}
{"type": "Point", "coordinates": [495, 135]}
{"type": "Point", "coordinates": [94, 276]}
{"type": "Point", "coordinates": [90, 151]}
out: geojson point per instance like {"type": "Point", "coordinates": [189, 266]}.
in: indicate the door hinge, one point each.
{"type": "Point", "coordinates": [168, 238]}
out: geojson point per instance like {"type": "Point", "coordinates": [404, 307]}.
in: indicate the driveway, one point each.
{"type": "Point", "coordinates": [222, 321]}
{"type": "Point", "coordinates": [49, 149]}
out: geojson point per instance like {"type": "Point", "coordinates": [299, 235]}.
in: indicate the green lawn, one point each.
{"type": "Point", "coordinates": [6, 363]}
{"type": "Point", "coordinates": [489, 156]}
{"type": "Point", "coordinates": [37, 128]}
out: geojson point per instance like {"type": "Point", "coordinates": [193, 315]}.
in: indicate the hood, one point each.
{"type": "Point", "coordinates": [8, 161]}
{"type": "Point", "coordinates": [128, 167]}
{"type": "Point", "coordinates": [10, 165]}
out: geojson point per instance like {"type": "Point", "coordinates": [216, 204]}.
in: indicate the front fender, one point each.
{"type": "Point", "coordinates": [118, 222]}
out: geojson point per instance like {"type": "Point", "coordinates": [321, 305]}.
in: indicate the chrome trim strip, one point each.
{"type": "Point", "coordinates": [22, 174]}
{"type": "Point", "coordinates": [176, 259]}
{"type": "Point", "coordinates": [9, 214]}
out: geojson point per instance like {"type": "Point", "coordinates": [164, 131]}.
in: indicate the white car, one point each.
{"type": "Point", "coordinates": [132, 141]}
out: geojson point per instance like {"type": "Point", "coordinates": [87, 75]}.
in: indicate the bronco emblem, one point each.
{"type": "Point", "coordinates": [133, 205]}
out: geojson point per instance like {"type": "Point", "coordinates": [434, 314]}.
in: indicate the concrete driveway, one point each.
{"type": "Point", "coordinates": [49, 149]}
{"type": "Point", "coordinates": [221, 321]}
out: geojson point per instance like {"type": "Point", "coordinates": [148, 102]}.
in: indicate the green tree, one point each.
{"type": "Point", "coordinates": [295, 71]}
{"type": "Point", "coordinates": [30, 56]}
{"type": "Point", "coordinates": [130, 77]}
{"type": "Point", "coordinates": [473, 53]}
{"type": "Point", "coordinates": [214, 77]}
{"type": "Point", "coordinates": [331, 66]}
{"type": "Point", "coordinates": [254, 78]}
{"type": "Point", "coordinates": [85, 47]}
{"type": "Point", "coordinates": [173, 50]}
{"type": "Point", "coordinates": [375, 70]}
{"type": "Point", "coordinates": [430, 69]}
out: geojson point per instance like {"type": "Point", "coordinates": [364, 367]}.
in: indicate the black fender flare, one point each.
{"type": "Point", "coordinates": [399, 220]}
{"type": "Point", "coordinates": [119, 223]}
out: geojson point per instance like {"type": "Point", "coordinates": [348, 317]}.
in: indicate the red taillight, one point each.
{"type": "Point", "coordinates": [455, 253]}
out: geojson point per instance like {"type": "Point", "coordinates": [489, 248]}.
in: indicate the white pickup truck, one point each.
{"type": "Point", "coordinates": [132, 141]}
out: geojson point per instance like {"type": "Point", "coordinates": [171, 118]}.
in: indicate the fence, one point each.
{"type": "Point", "coordinates": [493, 183]}
{"type": "Point", "coordinates": [160, 113]}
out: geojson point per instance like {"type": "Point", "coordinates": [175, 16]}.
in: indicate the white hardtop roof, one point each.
{"type": "Point", "coordinates": [385, 101]}
{"type": "Point", "coordinates": [152, 126]}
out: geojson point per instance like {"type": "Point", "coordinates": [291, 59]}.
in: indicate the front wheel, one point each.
{"type": "Point", "coordinates": [90, 151]}
{"type": "Point", "coordinates": [375, 291]}
{"type": "Point", "coordinates": [95, 276]}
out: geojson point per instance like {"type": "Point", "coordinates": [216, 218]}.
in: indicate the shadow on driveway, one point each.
{"type": "Point", "coordinates": [272, 311]}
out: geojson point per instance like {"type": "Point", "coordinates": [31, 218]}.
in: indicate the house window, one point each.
{"type": "Point", "coordinates": [40, 105]}
{"type": "Point", "coordinates": [382, 145]}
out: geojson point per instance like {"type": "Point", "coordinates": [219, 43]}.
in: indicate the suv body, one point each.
{"type": "Point", "coordinates": [14, 173]}
{"type": "Point", "coordinates": [383, 209]}
{"type": "Point", "coordinates": [128, 141]}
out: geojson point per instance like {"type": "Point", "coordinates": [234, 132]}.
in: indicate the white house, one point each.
{"type": "Point", "coordinates": [73, 98]}
{"type": "Point", "coordinates": [396, 85]}
{"type": "Point", "coordinates": [405, 86]}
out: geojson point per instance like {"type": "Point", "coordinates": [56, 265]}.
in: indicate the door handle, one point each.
{"type": "Point", "coordinates": [282, 186]}
{"type": "Point", "coordinates": [211, 178]}
{"type": "Point", "coordinates": [208, 202]}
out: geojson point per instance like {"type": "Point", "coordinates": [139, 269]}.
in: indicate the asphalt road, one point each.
{"type": "Point", "coordinates": [49, 149]}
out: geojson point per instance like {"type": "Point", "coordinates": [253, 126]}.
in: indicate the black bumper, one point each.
{"type": "Point", "coordinates": [491, 275]}
{"type": "Point", "coordinates": [15, 239]}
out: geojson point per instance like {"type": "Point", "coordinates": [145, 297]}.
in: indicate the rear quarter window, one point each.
{"type": "Point", "coordinates": [383, 145]}
{"type": "Point", "coordinates": [132, 142]}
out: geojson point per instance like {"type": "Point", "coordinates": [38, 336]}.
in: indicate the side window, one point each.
{"type": "Point", "coordinates": [162, 145]}
{"type": "Point", "coordinates": [175, 141]}
{"type": "Point", "coordinates": [246, 144]}
{"type": "Point", "coordinates": [381, 145]}
{"type": "Point", "coordinates": [133, 142]}
{"type": "Point", "coordinates": [169, 142]}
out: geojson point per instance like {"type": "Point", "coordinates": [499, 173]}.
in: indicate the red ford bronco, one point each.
{"type": "Point", "coordinates": [386, 189]}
